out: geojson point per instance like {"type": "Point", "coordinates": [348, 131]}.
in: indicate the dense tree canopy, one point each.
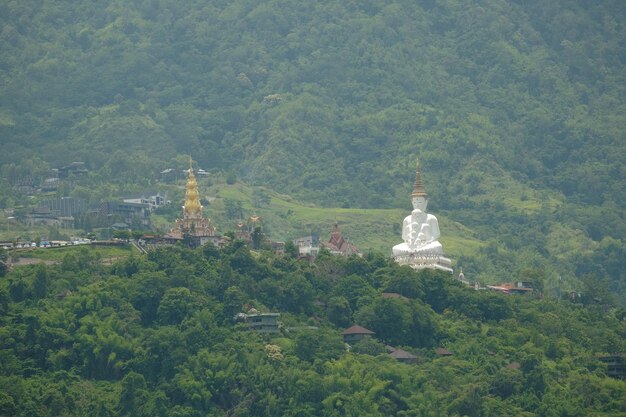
{"type": "Point", "coordinates": [330, 99]}
{"type": "Point", "coordinates": [155, 335]}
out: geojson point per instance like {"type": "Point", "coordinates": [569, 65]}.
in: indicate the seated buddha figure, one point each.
{"type": "Point", "coordinates": [420, 230]}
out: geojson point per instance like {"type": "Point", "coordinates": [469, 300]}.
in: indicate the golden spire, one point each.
{"type": "Point", "coordinates": [192, 196]}
{"type": "Point", "coordinates": [418, 187]}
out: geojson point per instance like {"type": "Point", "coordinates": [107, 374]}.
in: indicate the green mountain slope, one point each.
{"type": "Point", "coordinates": [369, 229]}
{"type": "Point", "coordinates": [515, 108]}
{"type": "Point", "coordinates": [358, 91]}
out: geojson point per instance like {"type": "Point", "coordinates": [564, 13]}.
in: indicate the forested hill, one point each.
{"type": "Point", "coordinates": [154, 335]}
{"type": "Point", "coordinates": [515, 108]}
{"type": "Point", "coordinates": [330, 100]}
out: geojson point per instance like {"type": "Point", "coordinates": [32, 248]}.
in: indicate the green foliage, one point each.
{"type": "Point", "coordinates": [154, 335]}
{"type": "Point", "coordinates": [369, 346]}
{"type": "Point", "coordinates": [319, 344]}
{"type": "Point", "coordinates": [175, 305]}
{"type": "Point", "coordinates": [3, 268]}
{"type": "Point", "coordinates": [353, 288]}
{"type": "Point", "coordinates": [335, 111]}
{"type": "Point", "coordinates": [338, 311]}
{"type": "Point", "coordinates": [260, 198]}
{"type": "Point", "coordinates": [233, 208]}
{"type": "Point", "coordinates": [399, 322]}
{"type": "Point", "coordinates": [325, 102]}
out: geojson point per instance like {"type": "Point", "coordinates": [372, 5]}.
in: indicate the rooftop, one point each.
{"type": "Point", "coordinates": [394, 295]}
{"type": "Point", "coordinates": [402, 354]}
{"type": "Point", "coordinates": [443, 352]}
{"type": "Point", "coordinates": [356, 330]}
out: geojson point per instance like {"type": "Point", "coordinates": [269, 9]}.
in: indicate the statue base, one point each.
{"type": "Point", "coordinates": [425, 260]}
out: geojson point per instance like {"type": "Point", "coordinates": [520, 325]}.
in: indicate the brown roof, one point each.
{"type": "Point", "coordinates": [443, 352]}
{"type": "Point", "coordinates": [394, 295]}
{"type": "Point", "coordinates": [356, 330]}
{"type": "Point", "coordinates": [513, 365]}
{"type": "Point", "coordinates": [509, 286]}
{"type": "Point", "coordinates": [337, 243]}
{"type": "Point", "coordinates": [402, 354]}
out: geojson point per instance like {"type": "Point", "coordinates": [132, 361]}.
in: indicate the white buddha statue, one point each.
{"type": "Point", "coordinates": [420, 230]}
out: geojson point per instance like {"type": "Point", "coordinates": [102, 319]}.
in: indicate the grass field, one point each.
{"type": "Point", "coordinates": [57, 254]}
{"type": "Point", "coordinates": [368, 229]}
{"type": "Point", "coordinates": [285, 219]}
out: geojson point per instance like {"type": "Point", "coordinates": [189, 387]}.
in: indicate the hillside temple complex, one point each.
{"type": "Point", "coordinates": [194, 225]}
{"type": "Point", "coordinates": [420, 232]}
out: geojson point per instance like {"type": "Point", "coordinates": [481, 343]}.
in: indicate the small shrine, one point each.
{"type": "Point", "coordinates": [194, 226]}
{"type": "Point", "coordinates": [245, 230]}
{"type": "Point", "coordinates": [420, 231]}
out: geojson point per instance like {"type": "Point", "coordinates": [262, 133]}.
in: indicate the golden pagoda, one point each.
{"type": "Point", "coordinates": [193, 225]}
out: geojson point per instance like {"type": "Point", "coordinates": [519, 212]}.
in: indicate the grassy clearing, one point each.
{"type": "Point", "coordinates": [9, 232]}
{"type": "Point", "coordinates": [368, 229]}
{"type": "Point", "coordinates": [57, 254]}
{"type": "Point", "coordinates": [285, 219]}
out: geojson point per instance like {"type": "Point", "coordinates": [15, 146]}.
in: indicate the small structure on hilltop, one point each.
{"type": "Point", "coordinates": [65, 206]}
{"type": "Point", "coordinates": [403, 356]}
{"type": "Point", "coordinates": [73, 169]}
{"type": "Point", "coordinates": [462, 278]}
{"type": "Point", "coordinates": [194, 226]}
{"type": "Point", "coordinates": [615, 365]}
{"type": "Point", "coordinates": [250, 229]}
{"type": "Point", "coordinates": [520, 287]}
{"type": "Point", "coordinates": [153, 200]}
{"type": "Point", "coordinates": [338, 245]}
{"type": "Point", "coordinates": [395, 295]}
{"type": "Point", "coordinates": [420, 232]}
{"type": "Point", "coordinates": [137, 214]}
{"type": "Point", "coordinates": [260, 322]}
{"type": "Point", "coordinates": [263, 322]}
{"type": "Point", "coordinates": [355, 334]}
{"type": "Point", "coordinates": [308, 245]}
{"type": "Point", "coordinates": [442, 352]}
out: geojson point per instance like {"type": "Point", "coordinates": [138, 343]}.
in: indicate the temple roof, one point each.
{"type": "Point", "coordinates": [192, 196]}
{"type": "Point", "coordinates": [336, 239]}
{"type": "Point", "coordinates": [338, 243]}
{"type": "Point", "coordinates": [192, 223]}
{"type": "Point", "coordinates": [356, 330]}
{"type": "Point", "coordinates": [418, 187]}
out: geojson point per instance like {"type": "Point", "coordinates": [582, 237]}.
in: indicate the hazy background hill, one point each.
{"type": "Point", "coordinates": [516, 109]}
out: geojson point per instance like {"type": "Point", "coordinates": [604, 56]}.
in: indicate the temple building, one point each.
{"type": "Point", "coordinates": [420, 232]}
{"type": "Point", "coordinates": [309, 246]}
{"type": "Point", "coordinates": [245, 230]}
{"type": "Point", "coordinates": [194, 226]}
{"type": "Point", "coordinates": [338, 245]}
